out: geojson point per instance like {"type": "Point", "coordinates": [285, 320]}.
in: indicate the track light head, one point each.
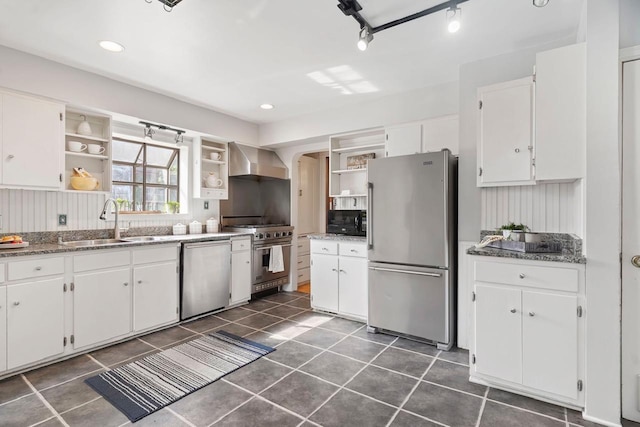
{"type": "Point", "coordinates": [365, 38]}
{"type": "Point", "coordinates": [179, 137]}
{"type": "Point", "coordinates": [540, 3]}
{"type": "Point", "coordinates": [454, 14]}
{"type": "Point", "coordinates": [148, 132]}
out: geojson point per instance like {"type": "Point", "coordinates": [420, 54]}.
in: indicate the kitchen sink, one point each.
{"type": "Point", "coordinates": [94, 242]}
{"type": "Point", "coordinates": [146, 238]}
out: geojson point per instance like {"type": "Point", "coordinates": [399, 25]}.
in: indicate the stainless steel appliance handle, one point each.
{"type": "Point", "coordinates": [370, 215]}
{"type": "Point", "coordinates": [417, 273]}
{"type": "Point", "coordinates": [269, 247]}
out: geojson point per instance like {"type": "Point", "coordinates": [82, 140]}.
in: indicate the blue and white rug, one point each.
{"type": "Point", "coordinates": [140, 388]}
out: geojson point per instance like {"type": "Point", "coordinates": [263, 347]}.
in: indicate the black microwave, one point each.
{"type": "Point", "coordinates": [351, 223]}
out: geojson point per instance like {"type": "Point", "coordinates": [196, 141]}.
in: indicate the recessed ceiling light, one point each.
{"type": "Point", "coordinates": [267, 106]}
{"type": "Point", "coordinates": [111, 46]}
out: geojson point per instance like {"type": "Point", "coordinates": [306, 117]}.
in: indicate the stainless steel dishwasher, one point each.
{"type": "Point", "coordinates": [206, 270]}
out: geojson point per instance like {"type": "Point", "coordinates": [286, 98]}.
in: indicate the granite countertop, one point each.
{"type": "Point", "coordinates": [570, 243]}
{"type": "Point", "coordinates": [337, 237]}
{"type": "Point", "coordinates": [46, 248]}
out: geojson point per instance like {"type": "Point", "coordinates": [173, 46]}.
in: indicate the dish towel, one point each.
{"type": "Point", "coordinates": [276, 260]}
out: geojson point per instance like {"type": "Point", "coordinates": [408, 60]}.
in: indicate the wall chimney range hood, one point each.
{"type": "Point", "coordinates": [246, 160]}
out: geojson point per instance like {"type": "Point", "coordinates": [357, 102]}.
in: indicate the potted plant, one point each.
{"type": "Point", "coordinates": [173, 207]}
{"type": "Point", "coordinates": [513, 231]}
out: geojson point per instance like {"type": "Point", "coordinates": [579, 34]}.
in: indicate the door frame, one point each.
{"type": "Point", "coordinates": [626, 55]}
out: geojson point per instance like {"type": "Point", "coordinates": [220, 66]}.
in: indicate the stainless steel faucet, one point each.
{"type": "Point", "coordinates": [104, 213]}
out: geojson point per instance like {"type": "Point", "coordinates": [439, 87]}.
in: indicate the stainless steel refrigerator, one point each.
{"type": "Point", "coordinates": [412, 245]}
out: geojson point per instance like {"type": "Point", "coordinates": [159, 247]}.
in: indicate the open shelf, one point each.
{"type": "Point", "coordinates": [341, 171]}
{"type": "Point", "coordinates": [88, 137]}
{"type": "Point", "coordinates": [214, 162]}
{"type": "Point", "coordinates": [87, 155]}
{"type": "Point", "coordinates": [349, 195]}
{"type": "Point", "coordinates": [209, 148]}
{"type": "Point", "coordinates": [106, 193]}
{"type": "Point", "coordinates": [358, 148]}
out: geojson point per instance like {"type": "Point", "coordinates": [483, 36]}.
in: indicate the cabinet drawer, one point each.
{"type": "Point", "coordinates": [155, 254]}
{"type": "Point", "coordinates": [560, 279]}
{"type": "Point", "coordinates": [240, 245]}
{"type": "Point", "coordinates": [1, 273]}
{"type": "Point", "coordinates": [100, 260]}
{"type": "Point", "coordinates": [353, 249]}
{"type": "Point", "coordinates": [35, 268]}
{"type": "Point", "coordinates": [324, 247]}
{"type": "Point", "coordinates": [303, 245]}
{"type": "Point", "coordinates": [304, 274]}
{"type": "Point", "coordinates": [303, 261]}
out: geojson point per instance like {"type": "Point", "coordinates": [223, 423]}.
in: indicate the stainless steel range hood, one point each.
{"type": "Point", "coordinates": [247, 160]}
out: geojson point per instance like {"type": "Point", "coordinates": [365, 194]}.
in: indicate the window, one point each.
{"type": "Point", "coordinates": [145, 177]}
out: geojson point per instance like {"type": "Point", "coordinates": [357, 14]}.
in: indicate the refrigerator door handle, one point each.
{"type": "Point", "coordinates": [417, 273]}
{"type": "Point", "coordinates": [370, 215]}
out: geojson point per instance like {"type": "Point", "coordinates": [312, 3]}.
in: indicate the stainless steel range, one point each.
{"type": "Point", "coordinates": [265, 238]}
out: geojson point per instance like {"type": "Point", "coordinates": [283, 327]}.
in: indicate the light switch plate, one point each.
{"type": "Point", "coordinates": [62, 219]}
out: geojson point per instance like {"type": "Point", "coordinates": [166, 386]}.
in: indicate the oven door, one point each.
{"type": "Point", "coordinates": [261, 257]}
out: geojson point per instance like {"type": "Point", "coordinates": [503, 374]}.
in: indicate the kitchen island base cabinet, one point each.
{"type": "Point", "coordinates": [528, 334]}
{"type": "Point", "coordinates": [155, 295]}
{"type": "Point", "coordinates": [35, 321]}
{"type": "Point", "coordinates": [101, 306]}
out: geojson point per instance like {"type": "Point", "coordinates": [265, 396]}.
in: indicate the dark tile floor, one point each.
{"type": "Point", "coordinates": [326, 372]}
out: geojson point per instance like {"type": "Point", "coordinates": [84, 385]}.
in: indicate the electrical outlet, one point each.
{"type": "Point", "coordinates": [206, 205]}
{"type": "Point", "coordinates": [62, 219]}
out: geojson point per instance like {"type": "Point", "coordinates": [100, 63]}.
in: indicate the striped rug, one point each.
{"type": "Point", "coordinates": [140, 388]}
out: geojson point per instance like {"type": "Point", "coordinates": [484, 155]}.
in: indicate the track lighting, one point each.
{"type": "Point", "coordinates": [167, 4]}
{"type": "Point", "coordinates": [540, 3]}
{"type": "Point", "coordinates": [179, 137]}
{"type": "Point", "coordinates": [365, 38]}
{"type": "Point", "coordinates": [148, 132]}
{"type": "Point", "coordinates": [453, 19]}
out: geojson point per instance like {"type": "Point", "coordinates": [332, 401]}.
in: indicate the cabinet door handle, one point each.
{"type": "Point", "coordinates": [299, 275]}
{"type": "Point", "coordinates": [517, 150]}
{"type": "Point", "coordinates": [513, 310]}
{"type": "Point", "coordinates": [333, 269]}
{"type": "Point", "coordinates": [248, 262]}
{"type": "Point", "coordinates": [531, 314]}
{"type": "Point", "coordinates": [342, 271]}
{"type": "Point", "coordinates": [126, 283]}
{"type": "Point", "coordinates": [521, 275]}
{"type": "Point", "coordinates": [299, 262]}
{"type": "Point", "coordinates": [10, 156]}
{"type": "Point", "coordinates": [16, 303]}
{"type": "Point", "coordinates": [325, 249]}
{"type": "Point", "coordinates": [139, 281]}
{"type": "Point", "coordinates": [354, 251]}
{"type": "Point", "coordinates": [38, 268]}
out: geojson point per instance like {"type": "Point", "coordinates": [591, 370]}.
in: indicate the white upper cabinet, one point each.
{"type": "Point", "coordinates": [210, 169]}
{"type": "Point", "coordinates": [439, 133]}
{"type": "Point", "coordinates": [31, 142]}
{"type": "Point", "coordinates": [402, 140]}
{"type": "Point", "coordinates": [561, 113]}
{"type": "Point", "coordinates": [505, 133]}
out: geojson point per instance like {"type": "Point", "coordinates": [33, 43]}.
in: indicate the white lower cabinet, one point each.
{"type": "Point", "coordinates": [528, 330]}
{"type": "Point", "coordinates": [324, 282]}
{"type": "Point", "coordinates": [240, 277]}
{"type": "Point", "coordinates": [35, 321]}
{"type": "Point", "coordinates": [339, 281]}
{"type": "Point", "coordinates": [101, 306]}
{"type": "Point", "coordinates": [155, 295]}
{"type": "Point", "coordinates": [3, 328]}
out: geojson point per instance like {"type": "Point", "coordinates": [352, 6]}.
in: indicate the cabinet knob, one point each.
{"type": "Point", "coordinates": [531, 314]}
{"type": "Point", "coordinates": [513, 310]}
{"type": "Point", "coordinates": [16, 303]}
{"type": "Point", "coordinates": [139, 281]}
{"type": "Point", "coordinates": [10, 156]}
{"type": "Point", "coordinates": [126, 283]}
{"type": "Point", "coordinates": [248, 262]}
{"type": "Point", "coordinates": [635, 260]}
{"type": "Point", "coordinates": [38, 268]}
{"type": "Point", "coordinates": [354, 251]}
{"type": "Point", "coordinates": [325, 249]}
{"type": "Point", "coordinates": [517, 150]}
{"type": "Point", "coordinates": [521, 275]}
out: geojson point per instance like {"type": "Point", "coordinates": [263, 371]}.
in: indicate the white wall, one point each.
{"type": "Point", "coordinates": [411, 106]}
{"type": "Point", "coordinates": [629, 25]}
{"type": "Point", "coordinates": [32, 74]}
{"type": "Point", "coordinates": [603, 213]}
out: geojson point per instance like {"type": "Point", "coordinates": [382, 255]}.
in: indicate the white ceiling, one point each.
{"type": "Point", "coordinates": [300, 55]}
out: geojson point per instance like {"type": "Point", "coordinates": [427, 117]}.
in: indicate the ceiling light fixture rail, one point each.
{"type": "Point", "coordinates": [148, 132]}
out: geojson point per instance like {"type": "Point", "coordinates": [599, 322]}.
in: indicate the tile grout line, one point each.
{"type": "Point", "coordinates": [252, 396]}
{"type": "Point", "coordinates": [42, 422]}
{"type": "Point", "coordinates": [180, 417]}
{"type": "Point", "coordinates": [43, 400]}
{"type": "Point", "coordinates": [98, 362]}
{"type": "Point", "coordinates": [413, 389]}
{"type": "Point", "coordinates": [484, 402]}
{"type": "Point", "coordinates": [525, 409]}
{"type": "Point", "coordinates": [81, 405]}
